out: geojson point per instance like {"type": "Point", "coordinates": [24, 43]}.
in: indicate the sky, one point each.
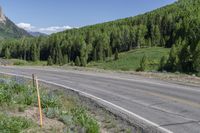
{"type": "Point", "coordinates": [49, 16]}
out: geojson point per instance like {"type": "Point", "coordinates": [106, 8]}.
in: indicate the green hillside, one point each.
{"type": "Point", "coordinates": [131, 60]}
{"type": "Point", "coordinates": [176, 25]}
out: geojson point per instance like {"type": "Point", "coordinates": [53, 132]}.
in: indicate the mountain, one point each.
{"type": "Point", "coordinates": [8, 29]}
{"type": "Point", "coordinates": [174, 26]}
{"type": "Point", "coordinates": [37, 34]}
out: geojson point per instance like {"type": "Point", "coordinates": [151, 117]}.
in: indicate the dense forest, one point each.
{"type": "Point", "coordinates": [176, 26]}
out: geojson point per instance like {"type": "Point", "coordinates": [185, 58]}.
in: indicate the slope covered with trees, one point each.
{"type": "Point", "coordinates": [176, 25]}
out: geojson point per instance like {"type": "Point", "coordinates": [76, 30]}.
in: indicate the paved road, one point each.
{"type": "Point", "coordinates": [173, 107]}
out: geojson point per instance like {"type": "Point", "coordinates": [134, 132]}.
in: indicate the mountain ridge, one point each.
{"type": "Point", "coordinates": [37, 34]}
{"type": "Point", "coordinates": [8, 29]}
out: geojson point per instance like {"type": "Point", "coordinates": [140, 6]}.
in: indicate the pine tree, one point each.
{"type": "Point", "coordinates": [163, 63]}
{"type": "Point", "coordinates": [196, 60]}
{"type": "Point", "coordinates": [7, 53]}
{"type": "Point", "coordinates": [95, 55]}
{"type": "Point", "coordinates": [83, 62]}
{"type": "Point", "coordinates": [173, 58]}
{"type": "Point", "coordinates": [140, 36]}
{"type": "Point", "coordinates": [49, 61]}
{"type": "Point", "coordinates": [185, 58]}
{"type": "Point", "coordinates": [100, 54]}
{"type": "Point", "coordinates": [143, 63]}
{"type": "Point", "coordinates": [65, 59]}
{"type": "Point", "coordinates": [116, 55]}
{"type": "Point", "coordinates": [77, 61]}
{"type": "Point", "coordinates": [157, 36]}
{"type": "Point", "coordinates": [34, 52]}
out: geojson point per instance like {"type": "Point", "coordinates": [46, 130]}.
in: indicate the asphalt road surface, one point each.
{"type": "Point", "coordinates": [172, 107]}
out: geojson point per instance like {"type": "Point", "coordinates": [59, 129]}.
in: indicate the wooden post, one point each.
{"type": "Point", "coordinates": [39, 103]}
{"type": "Point", "coordinates": [33, 77]}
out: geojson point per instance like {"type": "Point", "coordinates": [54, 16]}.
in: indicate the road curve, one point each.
{"type": "Point", "coordinates": [169, 106]}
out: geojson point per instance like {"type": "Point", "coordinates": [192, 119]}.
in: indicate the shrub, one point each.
{"type": "Point", "coordinates": [52, 112]}
{"type": "Point", "coordinates": [116, 55]}
{"type": "Point", "coordinates": [66, 119]}
{"type": "Point", "coordinates": [77, 61]}
{"type": "Point", "coordinates": [50, 100]}
{"type": "Point", "coordinates": [65, 59]}
{"type": "Point", "coordinates": [163, 63]}
{"type": "Point", "coordinates": [143, 63]}
{"type": "Point", "coordinates": [80, 116]}
{"type": "Point", "coordinates": [83, 62]}
{"type": "Point", "coordinates": [49, 61]}
{"type": "Point", "coordinates": [19, 63]}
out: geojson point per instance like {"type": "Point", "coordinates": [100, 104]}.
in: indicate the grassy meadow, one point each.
{"type": "Point", "coordinates": [131, 60]}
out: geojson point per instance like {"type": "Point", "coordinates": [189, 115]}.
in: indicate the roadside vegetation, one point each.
{"type": "Point", "coordinates": [19, 62]}
{"type": "Point", "coordinates": [18, 106]}
{"type": "Point", "coordinates": [63, 111]}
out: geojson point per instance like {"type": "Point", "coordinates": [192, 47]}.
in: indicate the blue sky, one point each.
{"type": "Point", "coordinates": [53, 15]}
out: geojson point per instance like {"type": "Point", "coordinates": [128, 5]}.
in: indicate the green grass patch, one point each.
{"type": "Point", "coordinates": [19, 62]}
{"type": "Point", "coordinates": [11, 124]}
{"type": "Point", "coordinates": [131, 60]}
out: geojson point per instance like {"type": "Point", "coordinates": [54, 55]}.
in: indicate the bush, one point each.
{"type": "Point", "coordinates": [66, 119]}
{"type": "Point", "coordinates": [19, 63]}
{"type": "Point", "coordinates": [143, 63]}
{"type": "Point", "coordinates": [83, 62]}
{"type": "Point", "coordinates": [80, 116]}
{"type": "Point", "coordinates": [163, 63]}
{"type": "Point", "coordinates": [65, 59]}
{"type": "Point", "coordinates": [52, 112]}
{"type": "Point", "coordinates": [77, 61]}
{"type": "Point", "coordinates": [49, 61]}
{"type": "Point", "coordinates": [50, 100]}
{"type": "Point", "coordinates": [116, 55]}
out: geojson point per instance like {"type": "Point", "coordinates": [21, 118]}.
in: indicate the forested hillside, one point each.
{"type": "Point", "coordinates": [176, 26]}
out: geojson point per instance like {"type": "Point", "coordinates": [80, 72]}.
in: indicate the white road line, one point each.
{"type": "Point", "coordinates": [99, 99]}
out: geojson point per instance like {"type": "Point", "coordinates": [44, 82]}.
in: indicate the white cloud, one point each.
{"type": "Point", "coordinates": [25, 26]}
{"type": "Point", "coordinates": [54, 29]}
{"type": "Point", "coordinates": [48, 30]}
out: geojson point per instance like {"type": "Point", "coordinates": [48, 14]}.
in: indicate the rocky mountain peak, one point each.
{"type": "Point", "coordinates": [2, 16]}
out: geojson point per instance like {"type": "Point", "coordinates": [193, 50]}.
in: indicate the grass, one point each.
{"type": "Point", "coordinates": [11, 124]}
{"type": "Point", "coordinates": [131, 60]}
{"type": "Point", "coordinates": [19, 62]}
{"type": "Point", "coordinates": [17, 98]}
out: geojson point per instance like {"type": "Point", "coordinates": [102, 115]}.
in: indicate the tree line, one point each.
{"type": "Point", "coordinates": [175, 26]}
